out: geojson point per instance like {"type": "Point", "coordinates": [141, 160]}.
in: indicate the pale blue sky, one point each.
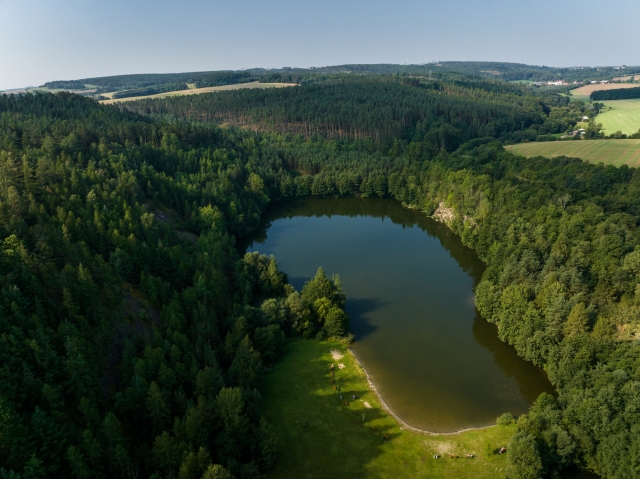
{"type": "Point", "coordinates": [43, 40]}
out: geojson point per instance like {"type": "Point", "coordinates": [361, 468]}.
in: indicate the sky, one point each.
{"type": "Point", "coordinates": [45, 40]}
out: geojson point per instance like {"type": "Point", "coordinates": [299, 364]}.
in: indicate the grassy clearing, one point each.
{"type": "Point", "coordinates": [620, 115]}
{"type": "Point", "coordinates": [321, 437]}
{"type": "Point", "coordinates": [610, 152]}
{"type": "Point", "coordinates": [584, 92]}
{"type": "Point", "coordinates": [196, 91]}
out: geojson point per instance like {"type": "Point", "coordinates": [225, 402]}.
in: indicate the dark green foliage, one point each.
{"type": "Point", "coordinates": [524, 460]}
{"type": "Point", "coordinates": [113, 310]}
{"type": "Point", "coordinates": [615, 94]}
{"type": "Point", "coordinates": [446, 112]}
{"type": "Point", "coordinates": [154, 90]}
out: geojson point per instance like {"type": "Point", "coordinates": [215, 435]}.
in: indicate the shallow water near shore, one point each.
{"type": "Point", "coordinates": [409, 281]}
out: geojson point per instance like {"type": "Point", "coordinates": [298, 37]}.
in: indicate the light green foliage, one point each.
{"type": "Point", "coordinates": [195, 465]}
{"type": "Point", "coordinates": [322, 287]}
{"type": "Point", "coordinates": [326, 300]}
{"type": "Point", "coordinates": [336, 323]}
{"type": "Point", "coordinates": [578, 321]}
{"type": "Point", "coordinates": [524, 460]}
{"type": "Point", "coordinates": [211, 217]}
{"type": "Point", "coordinates": [505, 419]}
{"type": "Point", "coordinates": [216, 471]}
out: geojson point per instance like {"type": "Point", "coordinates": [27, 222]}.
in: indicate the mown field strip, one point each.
{"type": "Point", "coordinates": [610, 152]}
{"type": "Point", "coordinates": [196, 91]}
{"type": "Point", "coordinates": [624, 116]}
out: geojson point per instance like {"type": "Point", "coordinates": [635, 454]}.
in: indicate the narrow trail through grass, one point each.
{"type": "Point", "coordinates": [322, 437]}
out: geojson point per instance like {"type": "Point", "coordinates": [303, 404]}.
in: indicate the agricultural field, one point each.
{"type": "Point", "coordinates": [609, 152]}
{"type": "Point", "coordinates": [196, 91]}
{"type": "Point", "coordinates": [320, 436]}
{"type": "Point", "coordinates": [627, 78]}
{"type": "Point", "coordinates": [583, 92]}
{"type": "Point", "coordinates": [620, 115]}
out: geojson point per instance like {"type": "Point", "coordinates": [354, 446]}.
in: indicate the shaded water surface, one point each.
{"type": "Point", "coordinates": [437, 364]}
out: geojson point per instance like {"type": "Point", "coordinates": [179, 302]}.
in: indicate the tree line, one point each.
{"type": "Point", "coordinates": [615, 94]}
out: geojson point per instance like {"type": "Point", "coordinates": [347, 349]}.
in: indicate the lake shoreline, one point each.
{"type": "Point", "coordinates": [401, 423]}
{"type": "Point", "coordinates": [305, 233]}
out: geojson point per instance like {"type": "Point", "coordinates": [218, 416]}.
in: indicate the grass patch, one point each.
{"type": "Point", "coordinates": [196, 91]}
{"type": "Point", "coordinates": [321, 437]}
{"type": "Point", "coordinates": [620, 115]}
{"type": "Point", "coordinates": [610, 152]}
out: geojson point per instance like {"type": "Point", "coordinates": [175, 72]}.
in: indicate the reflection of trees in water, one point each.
{"type": "Point", "coordinates": [532, 381]}
{"type": "Point", "coordinates": [374, 208]}
{"type": "Point", "coordinates": [358, 309]}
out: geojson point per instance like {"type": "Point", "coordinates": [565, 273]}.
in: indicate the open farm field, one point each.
{"type": "Point", "coordinates": [320, 436]}
{"type": "Point", "coordinates": [623, 116]}
{"type": "Point", "coordinates": [610, 152]}
{"type": "Point", "coordinates": [583, 92]}
{"type": "Point", "coordinates": [627, 78]}
{"type": "Point", "coordinates": [196, 91]}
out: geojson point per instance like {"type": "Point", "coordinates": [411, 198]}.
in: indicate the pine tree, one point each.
{"type": "Point", "coordinates": [577, 321]}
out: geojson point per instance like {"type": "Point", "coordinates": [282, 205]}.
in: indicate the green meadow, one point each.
{"type": "Point", "coordinates": [322, 437]}
{"type": "Point", "coordinates": [610, 152]}
{"type": "Point", "coordinates": [620, 115]}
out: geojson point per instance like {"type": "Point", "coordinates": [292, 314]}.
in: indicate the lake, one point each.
{"type": "Point", "coordinates": [409, 282]}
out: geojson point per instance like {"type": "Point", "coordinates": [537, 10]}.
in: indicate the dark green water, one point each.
{"type": "Point", "coordinates": [437, 364]}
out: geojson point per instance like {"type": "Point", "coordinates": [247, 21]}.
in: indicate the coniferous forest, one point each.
{"type": "Point", "coordinates": [134, 336]}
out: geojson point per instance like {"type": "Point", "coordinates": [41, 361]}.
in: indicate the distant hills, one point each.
{"type": "Point", "coordinates": [154, 83]}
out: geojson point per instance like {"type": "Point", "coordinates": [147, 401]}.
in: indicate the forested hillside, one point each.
{"type": "Point", "coordinates": [134, 337]}
{"type": "Point", "coordinates": [450, 111]}
{"type": "Point", "coordinates": [494, 70]}
{"type": "Point", "coordinates": [155, 80]}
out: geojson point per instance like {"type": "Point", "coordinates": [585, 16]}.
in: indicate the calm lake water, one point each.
{"type": "Point", "coordinates": [409, 283]}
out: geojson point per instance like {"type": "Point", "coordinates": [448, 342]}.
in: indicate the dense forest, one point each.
{"type": "Point", "coordinates": [449, 111]}
{"type": "Point", "coordinates": [616, 94]}
{"type": "Point", "coordinates": [134, 337]}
